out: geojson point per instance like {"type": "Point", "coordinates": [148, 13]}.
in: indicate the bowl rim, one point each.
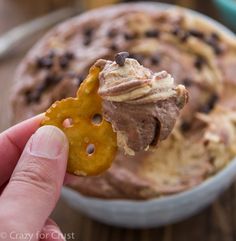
{"type": "Point", "coordinates": [207, 183]}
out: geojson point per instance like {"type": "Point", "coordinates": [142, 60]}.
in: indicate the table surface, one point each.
{"type": "Point", "coordinates": [217, 222]}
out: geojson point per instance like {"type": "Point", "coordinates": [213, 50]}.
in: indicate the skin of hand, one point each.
{"type": "Point", "coordinates": [32, 170]}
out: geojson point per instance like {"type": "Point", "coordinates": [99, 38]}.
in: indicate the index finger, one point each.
{"type": "Point", "coordinates": [12, 142]}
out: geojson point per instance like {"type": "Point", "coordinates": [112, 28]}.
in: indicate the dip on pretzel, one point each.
{"type": "Point", "coordinates": [120, 104]}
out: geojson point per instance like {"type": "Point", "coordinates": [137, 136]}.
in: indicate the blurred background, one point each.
{"type": "Point", "coordinates": [217, 222]}
{"type": "Point", "coordinates": [14, 12]}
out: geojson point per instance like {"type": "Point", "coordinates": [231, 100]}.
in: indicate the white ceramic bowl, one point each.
{"type": "Point", "coordinates": [158, 211]}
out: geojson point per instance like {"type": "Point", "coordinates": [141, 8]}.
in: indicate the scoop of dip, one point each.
{"type": "Point", "coordinates": [142, 106]}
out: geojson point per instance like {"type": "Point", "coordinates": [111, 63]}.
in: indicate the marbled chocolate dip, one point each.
{"type": "Point", "coordinates": [141, 105]}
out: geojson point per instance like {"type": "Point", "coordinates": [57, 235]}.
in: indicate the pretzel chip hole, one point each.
{"type": "Point", "coordinates": [90, 149]}
{"type": "Point", "coordinates": [67, 123]}
{"type": "Point", "coordinates": [97, 119]}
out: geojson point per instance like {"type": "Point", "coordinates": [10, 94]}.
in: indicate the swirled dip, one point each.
{"type": "Point", "coordinates": [141, 105]}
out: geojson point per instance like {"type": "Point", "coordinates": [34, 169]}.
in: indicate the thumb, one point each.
{"type": "Point", "coordinates": [35, 185]}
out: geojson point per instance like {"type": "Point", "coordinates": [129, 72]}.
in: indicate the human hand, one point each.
{"type": "Point", "coordinates": [32, 170]}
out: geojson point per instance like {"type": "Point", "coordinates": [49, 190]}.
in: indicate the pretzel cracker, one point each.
{"type": "Point", "coordinates": [92, 141]}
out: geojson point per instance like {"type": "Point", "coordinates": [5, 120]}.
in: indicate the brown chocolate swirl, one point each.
{"type": "Point", "coordinates": [141, 105]}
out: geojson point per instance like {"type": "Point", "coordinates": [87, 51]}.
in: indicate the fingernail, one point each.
{"type": "Point", "coordinates": [48, 141]}
{"type": "Point", "coordinates": [53, 231]}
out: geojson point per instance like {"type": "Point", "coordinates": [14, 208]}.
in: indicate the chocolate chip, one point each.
{"type": "Point", "coordinates": [138, 57]}
{"type": "Point", "coordinates": [40, 88]}
{"type": "Point", "coordinates": [69, 55]}
{"type": "Point", "coordinates": [27, 92]}
{"type": "Point", "coordinates": [64, 62]}
{"type": "Point", "coordinates": [44, 62]}
{"type": "Point", "coordinates": [217, 49]}
{"type": "Point", "coordinates": [88, 32]}
{"type": "Point", "coordinates": [176, 31]}
{"type": "Point", "coordinates": [196, 33]}
{"type": "Point", "coordinates": [187, 82]}
{"type": "Point", "coordinates": [27, 96]}
{"type": "Point", "coordinates": [210, 105]}
{"type": "Point", "coordinates": [212, 158]}
{"type": "Point", "coordinates": [87, 42]}
{"type": "Point", "coordinates": [185, 126]}
{"type": "Point", "coordinates": [213, 42]}
{"type": "Point", "coordinates": [120, 58]}
{"type": "Point", "coordinates": [184, 36]}
{"type": "Point", "coordinates": [199, 62]}
{"type": "Point", "coordinates": [113, 47]}
{"type": "Point", "coordinates": [206, 142]}
{"type": "Point", "coordinates": [155, 60]}
{"type": "Point", "coordinates": [214, 98]}
{"type": "Point", "coordinates": [33, 97]}
{"type": "Point", "coordinates": [52, 80]}
{"type": "Point", "coordinates": [130, 36]}
{"type": "Point", "coordinates": [152, 33]}
{"type": "Point", "coordinates": [215, 36]}
{"type": "Point", "coordinates": [51, 54]}
{"type": "Point", "coordinates": [112, 33]}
